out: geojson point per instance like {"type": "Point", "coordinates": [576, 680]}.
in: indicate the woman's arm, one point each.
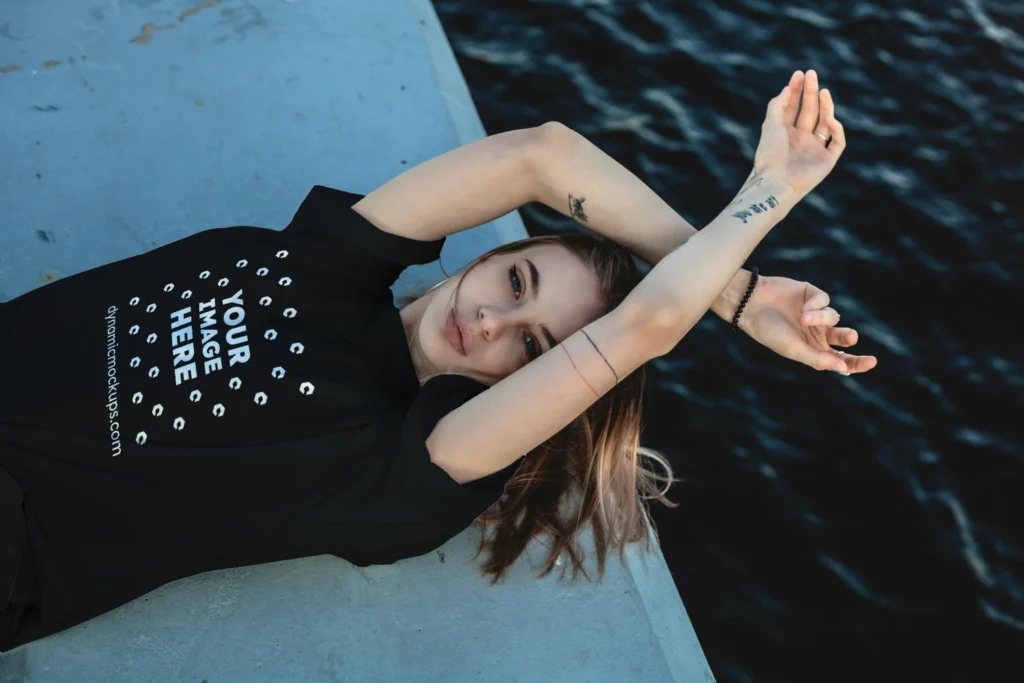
{"type": "Point", "coordinates": [532, 404]}
{"type": "Point", "coordinates": [485, 179]}
{"type": "Point", "coordinates": [494, 428]}
{"type": "Point", "coordinates": [462, 188]}
{"type": "Point", "coordinates": [579, 180]}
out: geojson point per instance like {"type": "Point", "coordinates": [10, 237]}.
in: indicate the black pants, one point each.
{"type": "Point", "coordinates": [18, 595]}
{"type": "Point", "coordinates": [17, 577]}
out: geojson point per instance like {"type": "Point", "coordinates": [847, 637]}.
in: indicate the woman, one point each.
{"type": "Point", "coordinates": [246, 395]}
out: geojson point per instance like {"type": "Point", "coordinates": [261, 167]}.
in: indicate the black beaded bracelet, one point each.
{"type": "Point", "coordinates": [750, 288]}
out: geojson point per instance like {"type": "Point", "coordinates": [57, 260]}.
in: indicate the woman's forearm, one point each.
{"type": "Point", "coordinates": [577, 179]}
{"type": "Point", "coordinates": [683, 285]}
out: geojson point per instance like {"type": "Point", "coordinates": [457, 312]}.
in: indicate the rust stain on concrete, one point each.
{"type": "Point", "coordinates": [146, 34]}
{"type": "Point", "coordinates": [148, 29]}
{"type": "Point", "coordinates": [49, 64]}
{"type": "Point", "coordinates": [207, 4]}
{"type": "Point", "coordinates": [9, 68]}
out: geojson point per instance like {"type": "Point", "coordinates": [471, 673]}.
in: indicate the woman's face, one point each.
{"type": "Point", "coordinates": [509, 310]}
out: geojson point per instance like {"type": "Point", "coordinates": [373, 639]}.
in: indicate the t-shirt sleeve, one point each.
{"type": "Point", "coordinates": [415, 506]}
{"type": "Point", "coordinates": [368, 259]}
{"type": "Point", "coordinates": [411, 470]}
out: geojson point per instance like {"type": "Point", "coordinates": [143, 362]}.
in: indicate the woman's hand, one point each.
{"type": "Point", "coordinates": [794, 320]}
{"type": "Point", "coordinates": [790, 147]}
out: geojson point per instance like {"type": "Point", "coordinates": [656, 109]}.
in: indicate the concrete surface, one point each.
{"type": "Point", "coordinates": [127, 124]}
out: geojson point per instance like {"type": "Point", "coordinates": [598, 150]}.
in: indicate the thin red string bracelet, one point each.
{"type": "Point", "coordinates": [578, 370]}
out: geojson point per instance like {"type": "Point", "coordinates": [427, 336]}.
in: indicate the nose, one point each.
{"type": "Point", "coordinates": [492, 321]}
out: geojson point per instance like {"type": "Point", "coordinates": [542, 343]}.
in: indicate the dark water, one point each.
{"type": "Point", "coordinates": [831, 528]}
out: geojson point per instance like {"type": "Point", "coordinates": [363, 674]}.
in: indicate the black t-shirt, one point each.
{"type": "Point", "coordinates": [239, 396]}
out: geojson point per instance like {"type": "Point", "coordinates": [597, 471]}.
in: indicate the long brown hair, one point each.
{"type": "Point", "coordinates": [593, 471]}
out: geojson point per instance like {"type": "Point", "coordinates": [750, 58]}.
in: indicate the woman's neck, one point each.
{"type": "Point", "coordinates": [412, 315]}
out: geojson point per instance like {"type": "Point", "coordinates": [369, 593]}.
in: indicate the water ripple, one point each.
{"type": "Point", "coordinates": [852, 580]}
{"type": "Point", "coordinates": [809, 16]}
{"type": "Point", "coordinates": [969, 547]}
{"type": "Point", "coordinates": [1002, 617]}
{"type": "Point", "coordinates": [914, 235]}
{"type": "Point", "coordinates": [993, 31]}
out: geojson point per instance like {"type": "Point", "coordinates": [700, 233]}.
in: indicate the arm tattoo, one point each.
{"type": "Point", "coordinates": [576, 208]}
{"type": "Point", "coordinates": [758, 207]}
{"type": "Point", "coordinates": [753, 180]}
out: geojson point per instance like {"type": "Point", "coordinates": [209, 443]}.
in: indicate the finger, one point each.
{"type": "Point", "coordinates": [795, 86]}
{"type": "Point", "coordinates": [841, 336]}
{"type": "Point", "coordinates": [855, 364]}
{"type": "Point", "coordinates": [828, 117]}
{"type": "Point", "coordinates": [826, 107]}
{"type": "Point", "coordinates": [823, 133]}
{"type": "Point", "coordinates": [807, 119]}
{"type": "Point", "coordinates": [825, 316]}
{"type": "Point", "coordinates": [777, 105]}
{"type": "Point", "coordinates": [818, 298]}
{"type": "Point", "coordinates": [825, 360]}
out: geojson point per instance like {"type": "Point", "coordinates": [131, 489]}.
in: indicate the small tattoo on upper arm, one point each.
{"type": "Point", "coordinates": [576, 208]}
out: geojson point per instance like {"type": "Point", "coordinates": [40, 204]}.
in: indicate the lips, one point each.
{"type": "Point", "coordinates": [464, 338]}
{"type": "Point", "coordinates": [455, 334]}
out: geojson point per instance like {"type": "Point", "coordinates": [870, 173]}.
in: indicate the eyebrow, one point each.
{"type": "Point", "coordinates": [535, 288]}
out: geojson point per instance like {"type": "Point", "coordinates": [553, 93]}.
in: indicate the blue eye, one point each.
{"type": "Point", "coordinates": [530, 343]}
{"type": "Point", "coordinates": [531, 348]}
{"type": "Point", "coordinates": [517, 287]}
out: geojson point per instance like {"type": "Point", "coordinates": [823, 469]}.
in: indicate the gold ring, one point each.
{"type": "Point", "coordinates": [823, 138]}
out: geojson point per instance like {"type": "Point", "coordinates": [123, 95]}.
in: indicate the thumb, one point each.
{"type": "Point", "coordinates": [777, 104]}
{"type": "Point", "coordinates": [818, 298]}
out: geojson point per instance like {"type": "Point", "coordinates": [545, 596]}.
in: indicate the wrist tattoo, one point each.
{"type": "Point", "coordinates": [758, 207]}
{"type": "Point", "coordinates": [754, 180]}
{"type": "Point", "coordinates": [576, 208]}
